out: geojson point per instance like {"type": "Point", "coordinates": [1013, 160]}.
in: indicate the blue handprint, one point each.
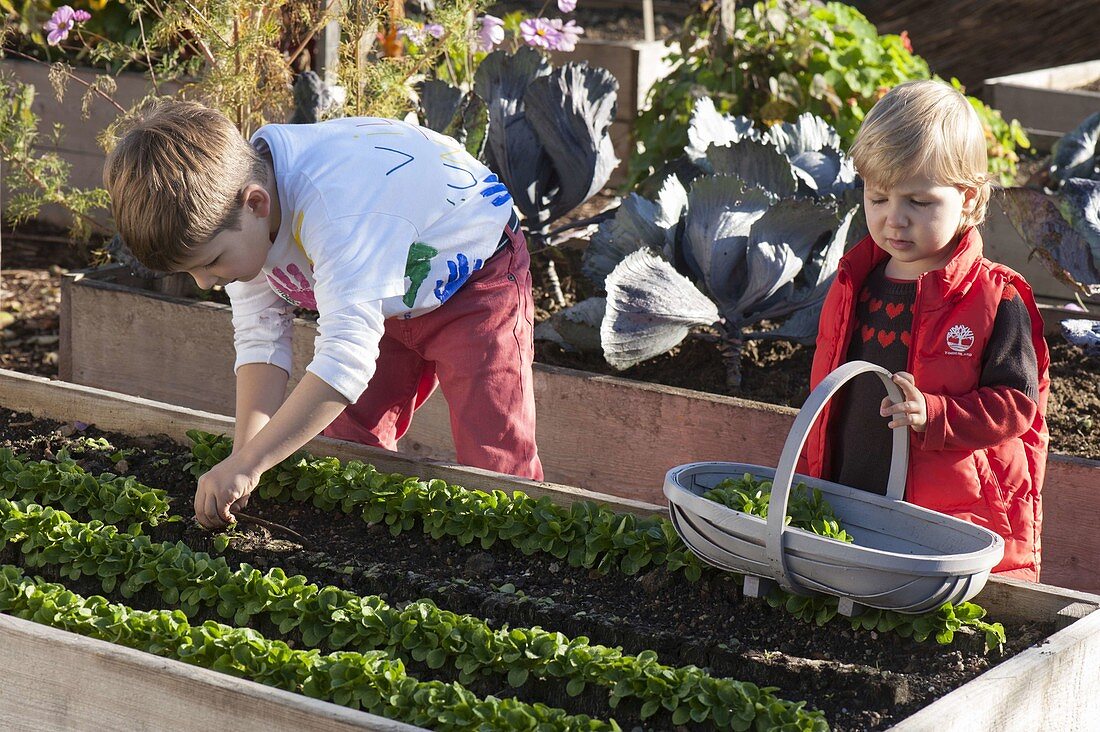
{"type": "Point", "coordinates": [459, 273]}
{"type": "Point", "coordinates": [495, 187]}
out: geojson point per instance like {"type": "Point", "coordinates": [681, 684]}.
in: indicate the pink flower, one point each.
{"type": "Point", "coordinates": [569, 34]}
{"type": "Point", "coordinates": [908, 44]}
{"type": "Point", "coordinates": [414, 33]}
{"type": "Point", "coordinates": [435, 30]}
{"type": "Point", "coordinates": [540, 32]}
{"type": "Point", "coordinates": [63, 20]}
{"type": "Point", "coordinates": [567, 6]}
{"type": "Point", "coordinates": [491, 32]}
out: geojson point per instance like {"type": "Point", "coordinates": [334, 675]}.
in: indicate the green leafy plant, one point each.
{"type": "Point", "coordinates": [585, 534]}
{"type": "Point", "coordinates": [784, 58]}
{"type": "Point", "coordinates": [806, 508]}
{"type": "Point", "coordinates": [108, 498]}
{"type": "Point", "coordinates": [369, 681]}
{"type": "Point", "coordinates": [338, 619]}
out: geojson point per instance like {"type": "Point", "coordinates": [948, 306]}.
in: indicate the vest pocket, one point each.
{"type": "Point", "coordinates": [992, 494]}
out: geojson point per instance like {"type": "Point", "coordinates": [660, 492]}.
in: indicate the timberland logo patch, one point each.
{"type": "Point", "coordinates": [959, 340]}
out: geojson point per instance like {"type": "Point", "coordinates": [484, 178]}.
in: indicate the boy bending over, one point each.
{"type": "Point", "coordinates": [406, 246]}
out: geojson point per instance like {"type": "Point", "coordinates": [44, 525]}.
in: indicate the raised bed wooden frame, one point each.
{"type": "Point", "coordinates": [1050, 686]}
{"type": "Point", "coordinates": [595, 432]}
{"type": "Point", "coordinates": [1047, 102]}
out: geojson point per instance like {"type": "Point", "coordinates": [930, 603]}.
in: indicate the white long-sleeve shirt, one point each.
{"type": "Point", "coordinates": [379, 219]}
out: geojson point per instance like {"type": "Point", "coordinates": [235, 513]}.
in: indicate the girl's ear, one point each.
{"type": "Point", "coordinates": [970, 200]}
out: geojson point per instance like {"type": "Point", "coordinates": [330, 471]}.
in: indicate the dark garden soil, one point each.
{"type": "Point", "coordinates": [860, 680]}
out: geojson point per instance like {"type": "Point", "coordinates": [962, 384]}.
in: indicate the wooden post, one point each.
{"type": "Point", "coordinates": [327, 47]}
{"type": "Point", "coordinates": [727, 17]}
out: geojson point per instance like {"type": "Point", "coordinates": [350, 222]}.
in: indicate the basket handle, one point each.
{"type": "Point", "coordinates": [796, 438]}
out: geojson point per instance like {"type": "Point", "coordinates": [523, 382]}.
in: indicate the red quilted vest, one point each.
{"type": "Point", "coordinates": [997, 487]}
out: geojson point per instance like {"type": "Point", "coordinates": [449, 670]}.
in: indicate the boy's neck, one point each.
{"type": "Point", "coordinates": [272, 188]}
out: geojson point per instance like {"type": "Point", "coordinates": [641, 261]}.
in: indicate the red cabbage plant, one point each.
{"type": "Point", "coordinates": [750, 229]}
{"type": "Point", "coordinates": [544, 130]}
{"type": "Point", "coordinates": [1058, 216]}
{"type": "Point", "coordinates": [1058, 212]}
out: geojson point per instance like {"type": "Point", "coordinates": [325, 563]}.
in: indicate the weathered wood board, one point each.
{"type": "Point", "coordinates": [64, 682]}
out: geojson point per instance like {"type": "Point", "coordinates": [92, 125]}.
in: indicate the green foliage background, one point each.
{"type": "Point", "coordinates": [785, 58]}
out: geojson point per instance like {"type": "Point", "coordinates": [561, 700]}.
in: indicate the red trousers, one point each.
{"type": "Point", "coordinates": [478, 346]}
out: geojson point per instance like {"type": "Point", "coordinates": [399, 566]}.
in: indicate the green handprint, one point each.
{"type": "Point", "coordinates": [417, 268]}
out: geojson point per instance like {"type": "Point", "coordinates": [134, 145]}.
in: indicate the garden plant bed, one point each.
{"type": "Point", "coordinates": [861, 680]}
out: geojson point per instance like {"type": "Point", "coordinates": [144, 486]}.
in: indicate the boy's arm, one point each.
{"type": "Point", "coordinates": [260, 391]}
{"type": "Point", "coordinates": [262, 324]}
{"type": "Point", "coordinates": [346, 350]}
{"type": "Point", "coordinates": [1005, 403]}
{"type": "Point", "coordinates": [311, 407]}
{"type": "Point", "coordinates": [980, 419]}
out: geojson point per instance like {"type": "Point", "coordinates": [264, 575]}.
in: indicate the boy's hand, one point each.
{"type": "Point", "coordinates": [913, 411]}
{"type": "Point", "coordinates": [225, 486]}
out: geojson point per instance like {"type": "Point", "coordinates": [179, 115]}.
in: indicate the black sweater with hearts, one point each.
{"type": "Point", "coordinates": [883, 322]}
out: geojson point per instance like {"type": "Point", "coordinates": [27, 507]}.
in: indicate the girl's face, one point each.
{"type": "Point", "coordinates": [916, 222]}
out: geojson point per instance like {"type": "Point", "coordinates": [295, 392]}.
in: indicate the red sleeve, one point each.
{"type": "Point", "coordinates": [985, 417]}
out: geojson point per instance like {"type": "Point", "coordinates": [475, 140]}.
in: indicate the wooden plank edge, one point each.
{"type": "Point", "coordinates": [63, 401]}
{"type": "Point", "coordinates": [1012, 599]}
{"type": "Point", "coordinates": [115, 685]}
{"type": "Point", "coordinates": [1053, 685]}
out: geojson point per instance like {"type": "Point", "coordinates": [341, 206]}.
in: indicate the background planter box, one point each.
{"type": "Point", "coordinates": [1054, 683]}
{"type": "Point", "coordinates": [636, 65]}
{"type": "Point", "coordinates": [1048, 102]}
{"type": "Point", "coordinates": [597, 433]}
{"type": "Point", "coordinates": [79, 144]}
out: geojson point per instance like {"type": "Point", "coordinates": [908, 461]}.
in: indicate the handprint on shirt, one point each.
{"type": "Point", "coordinates": [293, 286]}
{"type": "Point", "coordinates": [496, 189]}
{"type": "Point", "coordinates": [459, 273]}
{"type": "Point", "coordinates": [417, 267]}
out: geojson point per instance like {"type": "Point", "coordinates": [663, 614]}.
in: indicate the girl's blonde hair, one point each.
{"type": "Point", "coordinates": [176, 179]}
{"type": "Point", "coordinates": [930, 127]}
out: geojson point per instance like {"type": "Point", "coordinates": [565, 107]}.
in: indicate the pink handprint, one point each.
{"type": "Point", "coordinates": [293, 286]}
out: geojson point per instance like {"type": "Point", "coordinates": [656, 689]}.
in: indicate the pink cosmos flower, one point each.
{"type": "Point", "coordinates": [414, 33]}
{"type": "Point", "coordinates": [491, 33]}
{"type": "Point", "coordinates": [567, 6]}
{"type": "Point", "coordinates": [568, 34]}
{"type": "Point", "coordinates": [63, 20]}
{"type": "Point", "coordinates": [540, 32]}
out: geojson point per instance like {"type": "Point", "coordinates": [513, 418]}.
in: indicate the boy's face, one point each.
{"type": "Point", "coordinates": [916, 222]}
{"type": "Point", "coordinates": [233, 256]}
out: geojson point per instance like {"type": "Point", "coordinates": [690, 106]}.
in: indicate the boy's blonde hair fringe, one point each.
{"type": "Point", "coordinates": [925, 126]}
{"type": "Point", "coordinates": [176, 178]}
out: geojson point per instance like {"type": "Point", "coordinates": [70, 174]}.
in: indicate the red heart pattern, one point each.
{"type": "Point", "coordinates": [894, 309]}
{"type": "Point", "coordinates": [886, 337]}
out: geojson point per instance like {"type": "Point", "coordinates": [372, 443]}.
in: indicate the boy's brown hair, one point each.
{"type": "Point", "coordinates": [176, 177]}
{"type": "Point", "coordinates": [925, 126]}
